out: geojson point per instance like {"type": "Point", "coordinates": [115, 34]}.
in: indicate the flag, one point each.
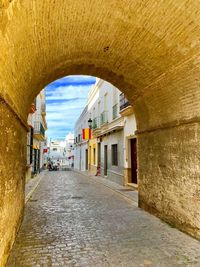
{"type": "Point", "coordinates": [87, 133]}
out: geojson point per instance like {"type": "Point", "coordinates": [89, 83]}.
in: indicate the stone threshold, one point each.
{"type": "Point", "coordinates": [134, 186]}
{"type": "Point", "coordinates": [128, 193]}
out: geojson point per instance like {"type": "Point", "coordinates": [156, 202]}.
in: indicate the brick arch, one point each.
{"type": "Point", "coordinates": [149, 50]}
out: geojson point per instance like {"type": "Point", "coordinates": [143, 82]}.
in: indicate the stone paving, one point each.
{"type": "Point", "coordinates": [126, 191]}
{"type": "Point", "coordinates": [73, 221]}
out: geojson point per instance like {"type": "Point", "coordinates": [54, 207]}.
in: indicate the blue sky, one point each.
{"type": "Point", "coordinates": [65, 99]}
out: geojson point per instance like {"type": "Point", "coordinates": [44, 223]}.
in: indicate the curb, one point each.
{"type": "Point", "coordinates": [28, 196]}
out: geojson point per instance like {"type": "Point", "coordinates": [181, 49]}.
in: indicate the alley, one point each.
{"type": "Point", "coordinates": [71, 220]}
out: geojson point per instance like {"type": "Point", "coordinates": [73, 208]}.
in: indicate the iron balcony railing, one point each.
{"type": "Point", "coordinates": [123, 102]}
{"type": "Point", "coordinates": [104, 117]}
{"type": "Point", "coordinates": [38, 128]}
{"type": "Point", "coordinates": [115, 111]}
{"type": "Point", "coordinates": [95, 123]}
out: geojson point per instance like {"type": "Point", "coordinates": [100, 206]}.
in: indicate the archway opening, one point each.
{"type": "Point", "coordinates": [74, 106]}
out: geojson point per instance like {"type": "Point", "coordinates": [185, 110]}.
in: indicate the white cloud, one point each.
{"type": "Point", "coordinates": [64, 106]}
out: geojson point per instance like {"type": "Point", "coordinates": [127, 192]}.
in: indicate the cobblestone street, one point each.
{"type": "Point", "coordinates": [71, 220]}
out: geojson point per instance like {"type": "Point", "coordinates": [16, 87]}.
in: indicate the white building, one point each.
{"type": "Point", "coordinates": [81, 146]}
{"type": "Point", "coordinates": [62, 151]}
{"type": "Point", "coordinates": [69, 139]}
{"type": "Point", "coordinates": [113, 128]}
{"type": "Point", "coordinates": [108, 134]}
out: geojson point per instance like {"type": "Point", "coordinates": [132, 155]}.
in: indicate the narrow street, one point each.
{"type": "Point", "coordinates": [71, 220]}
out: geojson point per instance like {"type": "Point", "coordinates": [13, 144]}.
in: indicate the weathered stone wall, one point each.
{"type": "Point", "coordinates": [169, 175]}
{"type": "Point", "coordinates": [168, 116]}
{"type": "Point", "coordinates": [12, 173]}
{"type": "Point", "coordinates": [129, 43]}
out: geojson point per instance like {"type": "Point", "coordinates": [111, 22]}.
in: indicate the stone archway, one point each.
{"type": "Point", "coordinates": [150, 50]}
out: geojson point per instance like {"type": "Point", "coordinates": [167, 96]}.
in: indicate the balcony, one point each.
{"type": "Point", "coordinates": [124, 106]}
{"type": "Point", "coordinates": [104, 117]}
{"type": "Point", "coordinates": [95, 123]}
{"type": "Point", "coordinates": [123, 101]}
{"type": "Point", "coordinates": [115, 111]}
{"type": "Point", "coordinates": [39, 131]}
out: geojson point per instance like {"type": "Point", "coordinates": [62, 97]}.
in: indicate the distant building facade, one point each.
{"type": "Point", "coordinates": [36, 140]}
{"type": "Point", "coordinates": [62, 151]}
{"type": "Point", "coordinates": [112, 149]}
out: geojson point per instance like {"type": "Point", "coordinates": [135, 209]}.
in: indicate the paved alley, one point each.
{"type": "Point", "coordinates": [71, 220]}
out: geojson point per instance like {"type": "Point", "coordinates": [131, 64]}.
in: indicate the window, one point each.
{"type": "Point", "coordinates": [28, 149]}
{"type": "Point", "coordinates": [99, 103]}
{"type": "Point", "coordinates": [105, 102]}
{"type": "Point", "coordinates": [29, 146]}
{"type": "Point", "coordinates": [114, 155]}
{"type": "Point", "coordinates": [115, 111]}
{"type": "Point", "coordinates": [54, 149]}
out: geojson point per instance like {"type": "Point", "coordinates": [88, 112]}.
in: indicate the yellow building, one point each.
{"type": "Point", "coordinates": [92, 157]}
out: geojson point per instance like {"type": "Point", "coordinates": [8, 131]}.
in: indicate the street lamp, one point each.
{"type": "Point", "coordinates": [90, 123]}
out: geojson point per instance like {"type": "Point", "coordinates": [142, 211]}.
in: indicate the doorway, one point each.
{"type": "Point", "coordinates": [34, 161]}
{"type": "Point", "coordinates": [134, 161]}
{"type": "Point", "coordinates": [105, 160]}
{"type": "Point", "coordinates": [99, 154]}
{"type": "Point", "coordinates": [38, 161]}
{"type": "Point", "coordinates": [86, 159]}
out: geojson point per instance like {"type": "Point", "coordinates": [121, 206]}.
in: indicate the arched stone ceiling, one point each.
{"type": "Point", "coordinates": [145, 48]}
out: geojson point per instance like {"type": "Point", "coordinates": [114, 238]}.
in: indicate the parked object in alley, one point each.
{"type": "Point", "coordinates": [53, 166]}
{"type": "Point", "coordinates": [98, 173]}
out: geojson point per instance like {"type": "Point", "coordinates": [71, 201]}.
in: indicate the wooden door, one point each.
{"type": "Point", "coordinates": [134, 161]}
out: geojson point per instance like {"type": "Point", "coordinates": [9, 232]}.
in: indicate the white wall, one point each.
{"type": "Point", "coordinates": [115, 173]}
{"type": "Point", "coordinates": [97, 105]}
{"type": "Point", "coordinates": [129, 132]}
{"type": "Point", "coordinates": [79, 158]}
